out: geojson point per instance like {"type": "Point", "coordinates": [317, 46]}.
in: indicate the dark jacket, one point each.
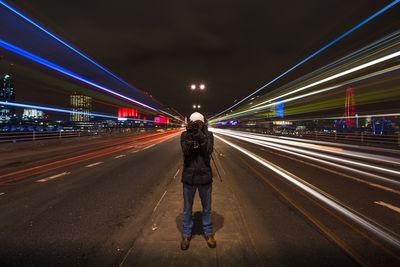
{"type": "Point", "coordinates": [197, 168]}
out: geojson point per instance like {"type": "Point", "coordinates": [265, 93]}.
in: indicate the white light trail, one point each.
{"type": "Point", "coordinates": [321, 195]}
{"type": "Point", "coordinates": [287, 145]}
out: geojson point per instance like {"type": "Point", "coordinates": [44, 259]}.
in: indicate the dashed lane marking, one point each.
{"type": "Point", "coordinates": [387, 205]}
{"type": "Point", "coordinates": [158, 203]}
{"type": "Point", "coordinates": [52, 177]}
{"type": "Point", "coordinates": [148, 146]}
{"type": "Point", "coordinates": [2, 193]}
{"type": "Point", "coordinates": [94, 164]}
{"type": "Point", "coordinates": [119, 156]}
{"type": "Point", "coordinates": [176, 173]}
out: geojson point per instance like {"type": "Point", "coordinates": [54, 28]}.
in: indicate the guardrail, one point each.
{"type": "Point", "coordinates": [14, 137]}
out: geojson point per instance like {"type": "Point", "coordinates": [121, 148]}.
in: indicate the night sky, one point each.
{"type": "Point", "coordinates": [234, 47]}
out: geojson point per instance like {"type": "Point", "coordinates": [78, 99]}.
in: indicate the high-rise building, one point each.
{"type": "Point", "coordinates": [32, 114]}
{"type": "Point", "coordinates": [7, 94]}
{"type": "Point", "coordinates": [81, 106]}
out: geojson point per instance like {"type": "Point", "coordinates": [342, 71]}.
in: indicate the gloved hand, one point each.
{"type": "Point", "coordinates": [191, 127]}
{"type": "Point", "coordinates": [199, 136]}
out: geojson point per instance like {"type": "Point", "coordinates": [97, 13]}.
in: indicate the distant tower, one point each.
{"type": "Point", "coordinates": [7, 94]}
{"type": "Point", "coordinates": [350, 107]}
{"type": "Point", "coordinates": [81, 106]}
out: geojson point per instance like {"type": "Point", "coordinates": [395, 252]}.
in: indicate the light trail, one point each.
{"type": "Point", "coordinates": [322, 196]}
{"type": "Point", "coordinates": [342, 145]}
{"type": "Point", "coordinates": [267, 103]}
{"type": "Point", "coordinates": [321, 158]}
{"type": "Point", "coordinates": [322, 148]}
{"type": "Point", "coordinates": [24, 17]}
{"type": "Point", "coordinates": [313, 55]}
{"type": "Point", "coordinates": [66, 72]}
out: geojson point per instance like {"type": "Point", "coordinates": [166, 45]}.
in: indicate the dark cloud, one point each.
{"type": "Point", "coordinates": [232, 46]}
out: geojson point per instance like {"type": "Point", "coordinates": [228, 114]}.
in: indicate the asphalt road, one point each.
{"type": "Point", "coordinates": [300, 212]}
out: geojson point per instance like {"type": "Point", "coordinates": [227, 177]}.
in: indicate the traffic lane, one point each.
{"type": "Point", "coordinates": [54, 163]}
{"type": "Point", "coordinates": [40, 153]}
{"type": "Point", "coordinates": [281, 235]}
{"type": "Point", "coordinates": [19, 187]}
{"type": "Point", "coordinates": [346, 187]}
{"type": "Point", "coordinates": [66, 220]}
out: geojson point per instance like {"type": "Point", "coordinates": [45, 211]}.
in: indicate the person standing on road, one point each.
{"type": "Point", "coordinates": [197, 145]}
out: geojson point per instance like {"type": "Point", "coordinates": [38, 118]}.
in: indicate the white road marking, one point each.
{"type": "Point", "coordinates": [94, 164]}
{"type": "Point", "coordinates": [158, 203]}
{"type": "Point", "coordinates": [119, 156]}
{"type": "Point", "coordinates": [387, 205]}
{"type": "Point", "coordinates": [176, 173]}
{"type": "Point", "coordinates": [148, 146]}
{"type": "Point", "coordinates": [52, 177]}
{"type": "Point", "coordinates": [2, 193]}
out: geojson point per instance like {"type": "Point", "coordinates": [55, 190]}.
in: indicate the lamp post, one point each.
{"type": "Point", "coordinates": [198, 89]}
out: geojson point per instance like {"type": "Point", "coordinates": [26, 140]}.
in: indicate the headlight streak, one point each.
{"type": "Point", "coordinates": [312, 55]}
{"type": "Point", "coordinates": [322, 196]}
{"type": "Point", "coordinates": [263, 104]}
{"type": "Point", "coordinates": [325, 148]}
{"type": "Point", "coordinates": [368, 148]}
{"type": "Point", "coordinates": [287, 149]}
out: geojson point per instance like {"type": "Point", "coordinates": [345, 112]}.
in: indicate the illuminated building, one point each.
{"type": "Point", "coordinates": [127, 112]}
{"type": "Point", "coordinates": [81, 106]}
{"type": "Point", "coordinates": [161, 120]}
{"type": "Point", "coordinates": [350, 107]}
{"type": "Point", "coordinates": [32, 114]}
{"type": "Point", "coordinates": [7, 94]}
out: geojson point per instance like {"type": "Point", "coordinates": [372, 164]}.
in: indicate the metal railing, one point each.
{"type": "Point", "coordinates": [14, 137]}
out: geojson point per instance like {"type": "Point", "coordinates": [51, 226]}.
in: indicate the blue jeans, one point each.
{"type": "Point", "coordinates": [189, 192]}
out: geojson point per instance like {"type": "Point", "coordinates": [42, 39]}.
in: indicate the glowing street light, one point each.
{"type": "Point", "coordinates": [202, 87]}
{"type": "Point", "coordinates": [194, 106]}
{"type": "Point", "coordinates": [193, 87]}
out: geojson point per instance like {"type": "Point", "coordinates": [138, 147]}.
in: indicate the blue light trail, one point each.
{"type": "Point", "coordinates": [64, 71]}
{"type": "Point", "coordinates": [62, 42]}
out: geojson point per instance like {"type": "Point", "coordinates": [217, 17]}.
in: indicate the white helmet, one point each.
{"type": "Point", "coordinates": [196, 116]}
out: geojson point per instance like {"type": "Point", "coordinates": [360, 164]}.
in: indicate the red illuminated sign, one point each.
{"type": "Point", "coordinates": [161, 120]}
{"type": "Point", "coordinates": [127, 112]}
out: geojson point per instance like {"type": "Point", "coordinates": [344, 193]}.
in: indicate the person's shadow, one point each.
{"type": "Point", "coordinates": [217, 221]}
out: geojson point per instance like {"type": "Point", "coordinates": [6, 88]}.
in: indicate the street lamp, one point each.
{"type": "Point", "coordinates": [198, 88]}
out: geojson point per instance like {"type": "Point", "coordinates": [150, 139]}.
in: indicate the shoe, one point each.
{"type": "Point", "coordinates": [185, 242]}
{"type": "Point", "coordinates": [211, 241]}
